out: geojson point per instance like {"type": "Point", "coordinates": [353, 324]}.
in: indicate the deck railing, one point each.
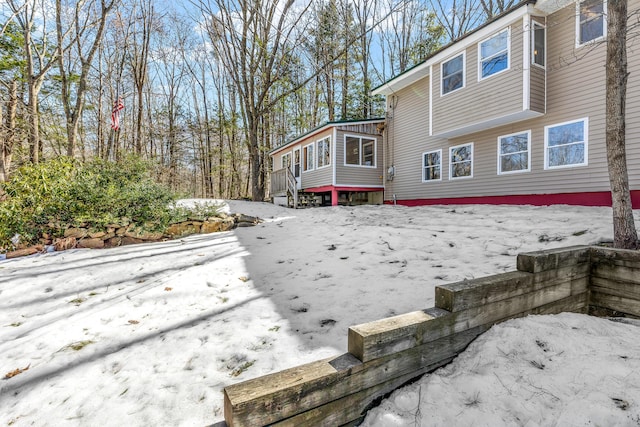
{"type": "Point", "coordinates": [283, 182]}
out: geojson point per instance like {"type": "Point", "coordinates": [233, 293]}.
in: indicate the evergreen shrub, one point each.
{"type": "Point", "coordinates": [49, 196]}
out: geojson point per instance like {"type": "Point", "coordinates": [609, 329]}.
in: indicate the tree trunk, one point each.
{"type": "Point", "coordinates": [7, 140]}
{"type": "Point", "coordinates": [34, 122]}
{"type": "Point", "coordinates": [624, 230]}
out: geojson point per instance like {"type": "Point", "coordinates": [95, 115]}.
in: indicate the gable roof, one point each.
{"type": "Point", "coordinates": [322, 128]}
{"type": "Point", "coordinates": [422, 69]}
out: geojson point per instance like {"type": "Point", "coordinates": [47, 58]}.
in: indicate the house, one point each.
{"type": "Point", "coordinates": [513, 113]}
{"type": "Point", "coordinates": [339, 162]}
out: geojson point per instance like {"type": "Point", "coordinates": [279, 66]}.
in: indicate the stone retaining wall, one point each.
{"type": "Point", "coordinates": [128, 233]}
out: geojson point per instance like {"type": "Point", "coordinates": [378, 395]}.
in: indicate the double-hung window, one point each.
{"type": "Point", "coordinates": [324, 152]}
{"type": "Point", "coordinates": [566, 144]}
{"type": "Point", "coordinates": [308, 157]}
{"type": "Point", "coordinates": [590, 24]}
{"type": "Point", "coordinates": [461, 161]}
{"type": "Point", "coordinates": [359, 151]}
{"type": "Point", "coordinates": [493, 54]}
{"type": "Point", "coordinates": [452, 72]}
{"type": "Point", "coordinates": [432, 166]}
{"type": "Point", "coordinates": [514, 153]}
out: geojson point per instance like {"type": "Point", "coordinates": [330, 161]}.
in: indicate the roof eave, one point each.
{"type": "Point", "coordinates": [322, 128]}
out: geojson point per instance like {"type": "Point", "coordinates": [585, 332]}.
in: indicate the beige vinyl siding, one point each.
{"type": "Point", "coordinates": [500, 94]}
{"type": "Point", "coordinates": [575, 90]}
{"type": "Point", "coordinates": [323, 176]}
{"type": "Point", "coordinates": [537, 89]}
{"type": "Point", "coordinates": [407, 138]}
{"type": "Point", "coordinates": [358, 175]}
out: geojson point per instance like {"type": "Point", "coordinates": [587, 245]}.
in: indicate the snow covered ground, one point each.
{"type": "Point", "coordinates": [150, 334]}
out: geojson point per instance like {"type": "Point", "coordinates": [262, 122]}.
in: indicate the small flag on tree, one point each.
{"type": "Point", "coordinates": [115, 114]}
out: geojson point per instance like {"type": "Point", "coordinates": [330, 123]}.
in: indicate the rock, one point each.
{"type": "Point", "coordinates": [97, 234]}
{"type": "Point", "coordinates": [113, 242]}
{"type": "Point", "coordinates": [214, 225]}
{"type": "Point", "coordinates": [25, 252]}
{"type": "Point", "coordinates": [78, 233]}
{"type": "Point", "coordinates": [64, 243]}
{"type": "Point", "coordinates": [108, 235]}
{"type": "Point", "coordinates": [138, 233]}
{"type": "Point", "coordinates": [245, 224]}
{"type": "Point", "coordinates": [246, 219]}
{"type": "Point", "coordinates": [120, 231]}
{"type": "Point", "coordinates": [130, 241]}
{"type": "Point", "coordinates": [91, 243]}
{"type": "Point", "coordinates": [182, 229]}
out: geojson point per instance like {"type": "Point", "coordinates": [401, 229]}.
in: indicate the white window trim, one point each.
{"type": "Point", "coordinates": [579, 42]}
{"type": "Point", "coordinates": [328, 139]}
{"type": "Point", "coordinates": [451, 163]}
{"type": "Point", "coordinates": [500, 172]}
{"type": "Point", "coordinates": [423, 166]}
{"type": "Point", "coordinates": [464, 73]}
{"type": "Point", "coordinates": [313, 164]}
{"type": "Point", "coordinates": [508, 30]}
{"type": "Point", "coordinates": [586, 144]}
{"type": "Point", "coordinates": [533, 44]}
{"type": "Point", "coordinates": [375, 151]}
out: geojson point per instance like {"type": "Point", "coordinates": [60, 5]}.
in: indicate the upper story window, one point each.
{"type": "Point", "coordinates": [359, 151]}
{"type": "Point", "coordinates": [452, 72]}
{"type": "Point", "coordinates": [461, 161]}
{"type": "Point", "coordinates": [514, 153]}
{"type": "Point", "coordinates": [494, 54]}
{"type": "Point", "coordinates": [308, 158]}
{"type": "Point", "coordinates": [432, 166]}
{"type": "Point", "coordinates": [286, 161]}
{"type": "Point", "coordinates": [539, 43]}
{"type": "Point", "coordinates": [324, 152]}
{"type": "Point", "coordinates": [590, 21]}
{"type": "Point", "coordinates": [565, 144]}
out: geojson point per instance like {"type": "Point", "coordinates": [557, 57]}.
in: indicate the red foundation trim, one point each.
{"type": "Point", "coordinates": [328, 188]}
{"type": "Point", "coordinates": [601, 198]}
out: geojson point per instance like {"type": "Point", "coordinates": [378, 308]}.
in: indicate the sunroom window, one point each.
{"type": "Point", "coordinates": [359, 151]}
{"type": "Point", "coordinates": [565, 144]}
{"type": "Point", "coordinates": [514, 153]}
{"type": "Point", "coordinates": [324, 152]}
{"type": "Point", "coordinates": [308, 157]}
{"type": "Point", "coordinates": [286, 160]}
{"type": "Point", "coordinates": [591, 18]}
{"type": "Point", "coordinates": [453, 74]}
{"type": "Point", "coordinates": [494, 54]}
{"type": "Point", "coordinates": [431, 166]}
{"type": "Point", "coordinates": [461, 161]}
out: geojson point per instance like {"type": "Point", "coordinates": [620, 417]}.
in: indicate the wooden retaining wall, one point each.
{"type": "Point", "coordinates": [615, 280]}
{"type": "Point", "coordinates": [385, 354]}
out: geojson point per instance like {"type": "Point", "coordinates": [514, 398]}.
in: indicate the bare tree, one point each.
{"type": "Point", "coordinates": [458, 16]}
{"type": "Point", "coordinates": [40, 56]}
{"type": "Point", "coordinates": [86, 43]}
{"type": "Point", "coordinates": [624, 230]}
{"type": "Point", "coordinates": [7, 136]}
{"type": "Point", "coordinates": [254, 40]}
{"type": "Point", "coordinates": [492, 8]}
{"type": "Point", "coordinates": [144, 17]}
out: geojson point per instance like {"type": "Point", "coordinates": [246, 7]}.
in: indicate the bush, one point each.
{"type": "Point", "coordinates": [47, 197]}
